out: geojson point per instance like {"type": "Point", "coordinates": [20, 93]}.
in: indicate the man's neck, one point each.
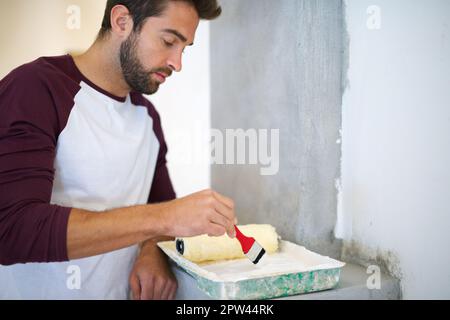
{"type": "Point", "coordinates": [100, 64]}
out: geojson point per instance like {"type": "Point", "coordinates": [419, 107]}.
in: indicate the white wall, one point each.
{"type": "Point", "coordinates": [395, 198]}
{"type": "Point", "coordinates": [184, 105]}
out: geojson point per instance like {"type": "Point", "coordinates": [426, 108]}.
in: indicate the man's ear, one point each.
{"type": "Point", "coordinates": [121, 21]}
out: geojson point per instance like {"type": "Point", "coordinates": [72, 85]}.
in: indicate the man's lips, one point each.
{"type": "Point", "coordinates": [161, 76]}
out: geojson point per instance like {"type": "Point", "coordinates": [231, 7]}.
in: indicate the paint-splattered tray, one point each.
{"type": "Point", "coordinates": [291, 271]}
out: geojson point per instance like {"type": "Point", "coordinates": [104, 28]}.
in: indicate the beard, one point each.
{"type": "Point", "coordinates": [136, 76]}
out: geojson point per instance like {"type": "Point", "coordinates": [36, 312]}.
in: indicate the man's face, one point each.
{"type": "Point", "coordinates": [150, 56]}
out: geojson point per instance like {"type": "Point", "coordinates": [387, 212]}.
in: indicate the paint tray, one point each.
{"type": "Point", "coordinates": [290, 271]}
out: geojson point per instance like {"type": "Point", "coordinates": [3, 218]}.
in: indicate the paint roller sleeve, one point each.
{"type": "Point", "coordinates": [206, 248]}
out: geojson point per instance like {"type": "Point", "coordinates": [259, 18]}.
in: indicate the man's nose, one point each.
{"type": "Point", "coordinates": [174, 61]}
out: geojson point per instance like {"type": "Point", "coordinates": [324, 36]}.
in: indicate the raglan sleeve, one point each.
{"type": "Point", "coordinates": [31, 229]}
{"type": "Point", "coordinates": [162, 188]}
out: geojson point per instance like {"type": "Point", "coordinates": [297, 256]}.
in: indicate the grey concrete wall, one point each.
{"type": "Point", "coordinates": [277, 65]}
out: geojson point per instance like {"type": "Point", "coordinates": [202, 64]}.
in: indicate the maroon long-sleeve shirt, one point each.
{"type": "Point", "coordinates": [66, 143]}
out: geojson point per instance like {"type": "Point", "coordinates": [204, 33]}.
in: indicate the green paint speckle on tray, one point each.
{"type": "Point", "coordinates": [322, 274]}
{"type": "Point", "coordinates": [271, 287]}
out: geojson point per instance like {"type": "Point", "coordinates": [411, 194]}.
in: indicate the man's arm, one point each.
{"type": "Point", "coordinates": [93, 233]}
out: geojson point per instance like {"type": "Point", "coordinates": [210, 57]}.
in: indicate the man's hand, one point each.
{"type": "Point", "coordinates": [204, 212]}
{"type": "Point", "coordinates": [151, 277]}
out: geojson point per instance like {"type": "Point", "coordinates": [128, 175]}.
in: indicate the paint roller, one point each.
{"type": "Point", "coordinates": [205, 248]}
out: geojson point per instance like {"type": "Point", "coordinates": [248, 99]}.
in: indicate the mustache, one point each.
{"type": "Point", "coordinates": [166, 71]}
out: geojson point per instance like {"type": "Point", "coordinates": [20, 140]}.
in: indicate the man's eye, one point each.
{"type": "Point", "coordinates": [168, 44]}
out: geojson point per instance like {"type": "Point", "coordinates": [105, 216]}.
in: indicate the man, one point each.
{"type": "Point", "coordinates": [84, 188]}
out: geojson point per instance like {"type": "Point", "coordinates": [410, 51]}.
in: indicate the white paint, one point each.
{"type": "Point", "coordinates": [342, 228]}
{"type": "Point", "coordinates": [291, 258]}
{"type": "Point", "coordinates": [184, 105]}
{"type": "Point", "coordinates": [396, 139]}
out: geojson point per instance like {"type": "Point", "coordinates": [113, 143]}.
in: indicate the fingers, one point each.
{"type": "Point", "coordinates": [206, 211]}
{"type": "Point", "coordinates": [229, 204]}
{"type": "Point", "coordinates": [224, 210]}
{"type": "Point", "coordinates": [169, 290]}
{"type": "Point", "coordinates": [135, 288]}
{"type": "Point", "coordinates": [173, 292]}
{"type": "Point", "coordinates": [147, 292]}
{"type": "Point", "coordinates": [166, 292]}
{"type": "Point", "coordinates": [161, 289]}
{"type": "Point", "coordinates": [215, 230]}
{"type": "Point", "coordinates": [153, 288]}
{"type": "Point", "coordinates": [225, 206]}
{"type": "Point", "coordinates": [220, 219]}
{"type": "Point", "coordinates": [158, 288]}
{"type": "Point", "coordinates": [225, 200]}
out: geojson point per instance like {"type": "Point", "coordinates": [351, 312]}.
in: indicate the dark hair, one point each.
{"type": "Point", "coordinates": [140, 10]}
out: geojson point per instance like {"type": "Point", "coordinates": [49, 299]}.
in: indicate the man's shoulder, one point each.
{"type": "Point", "coordinates": [39, 72]}
{"type": "Point", "coordinates": [37, 88]}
